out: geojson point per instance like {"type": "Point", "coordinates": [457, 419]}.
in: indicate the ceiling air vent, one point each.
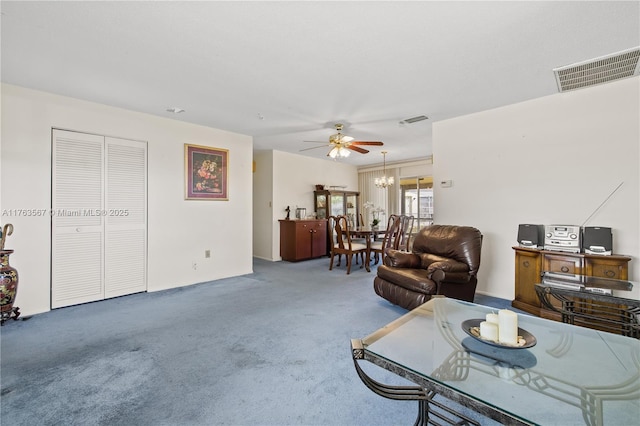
{"type": "Point", "coordinates": [599, 70]}
{"type": "Point", "coordinates": [415, 119]}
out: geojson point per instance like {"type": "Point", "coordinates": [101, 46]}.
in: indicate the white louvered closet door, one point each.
{"type": "Point", "coordinates": [126, 217]}
{"type": "Point", "coordinates": [77, 235]}
{"type": "Point", "coordinates": [98, 218]}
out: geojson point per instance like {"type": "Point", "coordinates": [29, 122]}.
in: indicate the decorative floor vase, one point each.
{"type": "Point", "coordinates": [8, 288]}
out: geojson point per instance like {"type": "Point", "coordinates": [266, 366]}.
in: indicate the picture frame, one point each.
{"type": "Point", "coordinates": [206, 173]}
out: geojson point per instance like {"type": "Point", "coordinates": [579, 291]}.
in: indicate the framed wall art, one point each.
{"type": "Point", "coordinates": [206, 173]}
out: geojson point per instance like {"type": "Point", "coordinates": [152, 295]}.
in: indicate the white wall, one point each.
{"type": "Point", "coordinates": [419, 169]}
{"type": "Point", "coordinates": [551, 160]}
{"type": "Point", "coordinates": [411, 168]}
{"type": "Point", "coordinates": [289, 180]}
{"type": "Point", "coordinates": [179, 230]}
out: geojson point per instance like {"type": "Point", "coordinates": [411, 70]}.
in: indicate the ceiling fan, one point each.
{"type": "Point", "coordinates": [341, 145]}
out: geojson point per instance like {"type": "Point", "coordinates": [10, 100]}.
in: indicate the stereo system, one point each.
{"type": "Point", "coordinates": [567, 238]}
{"type": "Point", "coordinates": [531, 236]}
{"type": "Point", "coordinates": [563, 238]}
{"type": "Point", "coordinates": [597, 240]}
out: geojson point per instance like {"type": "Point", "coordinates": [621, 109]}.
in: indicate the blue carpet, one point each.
{"type": "Point", "coordinates": [268, 348]}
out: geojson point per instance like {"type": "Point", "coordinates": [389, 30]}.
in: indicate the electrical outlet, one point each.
{"type": "Point", "coordinates": [194, 266]}
{"type": "Point", "coordinates": [207, 254]}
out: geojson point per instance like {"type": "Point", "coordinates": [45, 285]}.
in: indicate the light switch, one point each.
{"type": "Point", "coordinates": [446, 183]}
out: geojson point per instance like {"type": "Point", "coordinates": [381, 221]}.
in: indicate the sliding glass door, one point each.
{"type": "Point", "coordinates": [416, 194]}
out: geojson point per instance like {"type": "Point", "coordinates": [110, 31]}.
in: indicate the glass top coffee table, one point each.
{"type": "Point", "coordinates": [602, 303]}
{"type": "Point", "coordinates": [571, 376]}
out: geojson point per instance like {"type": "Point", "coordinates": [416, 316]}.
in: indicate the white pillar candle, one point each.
{"type": "Point", "coordinates": [508, 327]}
{"type": "Point", "coordinates": [493, 318]}
{"type": "Point", "coordinates": [489, 330]}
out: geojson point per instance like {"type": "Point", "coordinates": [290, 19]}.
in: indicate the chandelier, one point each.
{"type": "Point", "coordinates": [339, 151]}
{"type": "Point", "coordinates": [384, 181]}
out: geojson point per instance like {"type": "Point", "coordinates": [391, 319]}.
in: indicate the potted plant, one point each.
{"type": "Point", "coordinates": [375, 221]}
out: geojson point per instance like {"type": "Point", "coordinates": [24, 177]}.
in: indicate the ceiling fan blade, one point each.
{"type": "Point", "coordinates": [313, 147]}
{"type": "Point", "coordinates": [357, 149]}
{"type": "Point", "coordinates": [324, 142]}
{"type": "Point", "coordinates": [376, 143]}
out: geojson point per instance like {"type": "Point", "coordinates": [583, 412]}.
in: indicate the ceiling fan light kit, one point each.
{"type": "Point", "coordinates": [341, 152]}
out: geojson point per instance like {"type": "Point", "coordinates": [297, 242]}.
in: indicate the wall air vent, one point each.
{"type": "Point", "coordinates": [415, 119]}
{"type": "Point", "coordinates": [599, 70]}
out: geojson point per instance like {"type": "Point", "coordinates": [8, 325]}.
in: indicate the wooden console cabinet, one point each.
{"type": "Point", "coordinates": [303, 239]}
{"type": "Point", "coordinates": [531, 263]}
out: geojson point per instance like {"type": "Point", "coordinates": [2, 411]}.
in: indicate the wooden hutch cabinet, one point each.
{"type": "Point", "coordinates": [531, 263]}
{"type": "Point", "coordinates": [336, 203]}
{"type": "Point", "coordinates": [303, 239]}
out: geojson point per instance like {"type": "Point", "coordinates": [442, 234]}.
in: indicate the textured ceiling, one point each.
{"type": "Point", "coordinates": [285, 72]}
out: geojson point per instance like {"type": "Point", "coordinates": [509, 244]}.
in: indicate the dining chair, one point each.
{"type": "Point", "coordinates": [390, 240]}
{"type": "Point", "coordinates": [404, 241]}
{"type": "Point", "coordinates": [359, 240]}
{"type": "Point", "coordinates": [352, 220]}
{"type": "Point", "coordinates": [341, 242]}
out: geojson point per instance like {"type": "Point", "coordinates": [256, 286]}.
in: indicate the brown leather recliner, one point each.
{"type": "Point", "coordinates": [444, 260]}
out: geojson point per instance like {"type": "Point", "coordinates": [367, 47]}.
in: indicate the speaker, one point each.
{"type": "Point", "coordinates": [531, 236]}
{"type": "Point", "coordinates": [597, 240]}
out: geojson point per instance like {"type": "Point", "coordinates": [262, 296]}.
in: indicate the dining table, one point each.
{"type": "Point", "coordinates": [367, 232]}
